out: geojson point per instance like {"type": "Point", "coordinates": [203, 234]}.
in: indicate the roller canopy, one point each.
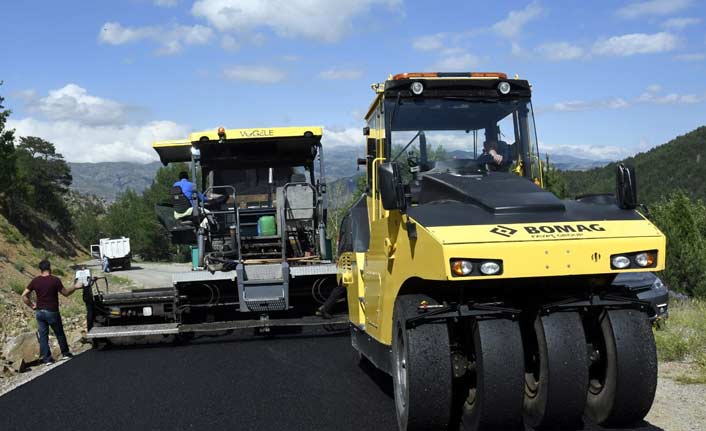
{"type": "Point", "coordinates": [287, 146]}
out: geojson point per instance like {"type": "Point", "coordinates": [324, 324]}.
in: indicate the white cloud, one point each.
{"type": "Point", "coordinates": [86, 128]}
{"type": "Point", "coordinates": [81, 143]}
{"type": "Point", "coordinates": [456, 60]}
{"type": "Point", "coordinates": [431, 42]}
{"type": "Point", "coordinates": [450, 56]}
{"type": "Point", "coordinates": [680, 23]}
{"type": "Point", "coordinates": [114, 33]}
{"type": "Point", "coordinates": [85, 143]}
{"type": "Point", "coordinates": [653, 7]}
{"type": "Point", "coordinates": [341, 74]}
{"type": "Point", "coordinates": [636, 43]}
{"type": "Point", "coordinates": [653, 94]}
{"type": "Point", "coordinates": [581, 105]}
{"type": "Point", "coordinates": [559, 51]}
{"type": "Point", "coordinates": [166, 3]}
{"type": "Point", "coordinates": [323, 20]}
{"type": "Point", "coordinates": [593, 152]}
{"type": "Point", "coordinates": [696, 56]}
{"type": "Point", "coordinates": [257, 74]}
{"type": "Point", "coordinates": [73, 103]}
{"type": "Point", "coordinates": [169, 38]}
{"type": "Point", "coordinates": [512, 25]}
{"type": "Point", "coordinates": [229, 43]}
{"type": "Point", "coordinates": [342, 137]}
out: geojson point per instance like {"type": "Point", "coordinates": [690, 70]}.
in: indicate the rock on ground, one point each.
{"type": "Point", "coordinates": [20, 351]}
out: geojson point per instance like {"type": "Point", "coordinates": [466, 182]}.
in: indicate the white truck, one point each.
{"type": "Point", "coordinates": [116, 250]}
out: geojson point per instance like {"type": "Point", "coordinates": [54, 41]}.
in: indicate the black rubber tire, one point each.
{"type": "Point", "coordinates": [499, 377]}
{"type": "Point", "coordinates": [630, 375]}
{"type": "Point", "coordinates": [421, 369]}
{"type": "Point", "coordinates": [556, 376]}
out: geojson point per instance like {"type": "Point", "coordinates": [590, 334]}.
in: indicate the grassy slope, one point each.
{"type": "Point", "coordinates": [683, 338]}
{"type": "Point", "coordinates": [18, 264]}
{"type": "Point", "coordinates": [678, 164]}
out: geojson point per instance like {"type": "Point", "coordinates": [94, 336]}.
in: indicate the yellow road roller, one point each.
{"type": "Point", "coordinates": [489, 300]}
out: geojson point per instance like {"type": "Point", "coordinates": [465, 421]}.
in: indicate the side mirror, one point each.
{"type": "Point", "coordinates": [625, 187]}
{"type": "Point", "coordinates": [391, 187]}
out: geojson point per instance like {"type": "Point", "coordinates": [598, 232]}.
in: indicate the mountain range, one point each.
{"type": "Point", "coordinates": [108, 179]}
{"type": "Point", "coordinates": [680, 164]}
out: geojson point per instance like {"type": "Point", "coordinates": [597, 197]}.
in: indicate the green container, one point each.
{"type": "Point", "coordinates": [194, 257]}
{"type": "Point", "coordinates": [266, 226]}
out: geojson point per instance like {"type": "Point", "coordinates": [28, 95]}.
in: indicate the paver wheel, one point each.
{"type": "Point", "coordinates": [623, 376]}
{"type": "Point", "coordinates": [421, 369]}
{"type": "Point", "coordinates": [556, 371]}
{"type": "Point", "coordinates": [494, 397]}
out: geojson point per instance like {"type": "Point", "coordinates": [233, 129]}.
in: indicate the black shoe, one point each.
{"type": "Point", "coordinates": [65, 356]}
{"type": "Point", "coordinates": [49, 361]}
{"type": "Point", "coordinates": [323, 313]}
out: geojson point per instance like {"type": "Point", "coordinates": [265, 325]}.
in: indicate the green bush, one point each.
{"type": "Point", "coordinates": [19, 266]}
{"type": "Point", "coordinates": [17, 286]}
{"type": "Point", "coordinates": [683, 338]}
{"type": "Point", "coordinates": [683, 221]}
{"type": "Point", "coordinates": [58, 272]}
{"type": "Point", "coordinates": [671, 346]}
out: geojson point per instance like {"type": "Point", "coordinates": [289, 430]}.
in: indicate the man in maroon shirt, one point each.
{"type": "Point", "coordinates": [46, 310]}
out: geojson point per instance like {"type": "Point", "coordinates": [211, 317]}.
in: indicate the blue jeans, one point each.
{"type": "Point", "coordinates": [45, 319]}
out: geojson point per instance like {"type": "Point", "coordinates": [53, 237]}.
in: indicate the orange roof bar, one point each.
{"type": "Point", "coordinates": [409, 75]}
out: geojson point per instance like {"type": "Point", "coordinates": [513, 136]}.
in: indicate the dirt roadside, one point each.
{"type": "Point", "coordinates": [677, 406]}
{"type": "Point", "coordinates": [142, 275]}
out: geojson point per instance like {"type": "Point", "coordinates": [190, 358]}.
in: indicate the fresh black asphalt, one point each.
{"type": "Point", "coordinates": [234, 383]}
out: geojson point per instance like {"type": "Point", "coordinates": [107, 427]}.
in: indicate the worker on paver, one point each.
{"type": "Point", "coordinates": [185, 209]}
{"type": "Point", "coordinates": [338, 293]}
{"type": "Point", "coordinates": [46, 310]}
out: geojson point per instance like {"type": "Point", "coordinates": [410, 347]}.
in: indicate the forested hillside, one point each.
{"type": "Point", "coordinates": [110, 179]}
{"type": "Point", "coordinates": [680, 164]}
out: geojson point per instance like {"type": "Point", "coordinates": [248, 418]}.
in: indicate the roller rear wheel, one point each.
{"type": "Point", "coordinates": [556, 371]}
{"type": "Point", "coordinates": [495, 377]}
{"type": "Point", "coordinates": [623, 376]}
{"type": "Point", "coordinates": [421, 369]}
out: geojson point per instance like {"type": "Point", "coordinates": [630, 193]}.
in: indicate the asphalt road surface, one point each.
{"type": "Point", "coordinates": [244, 383]}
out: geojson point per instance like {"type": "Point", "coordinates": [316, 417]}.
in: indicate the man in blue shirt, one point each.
{"type": "Point", "coordinates": [187, 188]}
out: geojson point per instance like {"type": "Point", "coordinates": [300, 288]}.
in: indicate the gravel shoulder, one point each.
{"type": "Point", "coordinates": [147, 275]}
{"type": "Point", "coordinates": [677, 406]}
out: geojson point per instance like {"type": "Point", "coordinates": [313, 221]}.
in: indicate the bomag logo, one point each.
{"type": "Point", "coordinates": [564, 228]}
{"type": "Point", "coordinates": [257, 133]}
{"type": "Point", "coordinates": [503, 231]}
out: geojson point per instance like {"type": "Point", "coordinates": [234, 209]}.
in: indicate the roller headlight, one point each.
{"type": "Point", "coordinates": [461, 268]}
{"type": "Point", "coordinates": [645, 259]}
{"type": "Point", "coordinates": [504, 87]}
{"type": "Point", "coordinates": [620, 261]}
{"type": "Point", "coordinates": [490, 268]}
{"type": "Point", "coordinates": [417, 88]}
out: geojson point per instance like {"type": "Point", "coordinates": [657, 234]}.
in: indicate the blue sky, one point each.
{"type": "Point", "coordinates": [103, 79]}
